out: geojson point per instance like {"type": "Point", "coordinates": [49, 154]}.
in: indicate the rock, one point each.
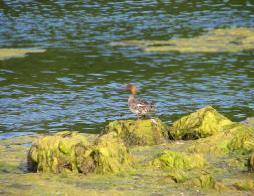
{"type": "Point", "coordinates": [175, 160]}
{"type": "Point", "coordinates": [110, 155]}
{"type": "Point", "coordinates": [202, 123]}
{"type": "Point", "coordinates": [206, 181]}
{"type": "Point", "coordinates": [245, 185]}
{"type": "Point", "coordinates": [138, 132]}
{"type": "Point", "coordinates": [236, 138]}
{"type": "Point", "coordinates": [249, 121]}
{"type": "Point", "coordinates": [203, 181]}
{"type": "Point", "coordinates": [71, 152]}
{"type": "Point", "coordinates": [250, 163]}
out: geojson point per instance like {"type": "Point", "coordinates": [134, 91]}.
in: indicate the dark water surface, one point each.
{"type": "Point", "coordinates": [75, 83]}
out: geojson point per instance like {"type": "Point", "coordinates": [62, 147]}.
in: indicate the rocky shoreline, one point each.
{"type": "Point", "coordinates": [201, 153]}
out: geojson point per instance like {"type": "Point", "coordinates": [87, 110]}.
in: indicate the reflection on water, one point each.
{"type": "Point", "coordinates": [75, 83]}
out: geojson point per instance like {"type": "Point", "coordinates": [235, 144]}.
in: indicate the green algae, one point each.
{"type": "Point", "coordinates": [7, 53]}
{"type": "Point", "coordinates": [246, 184]}
{"type": "Point", "coordinates": [217, 40]}
{"type": "Point", "coordinates": [138, 132]}
{"type": "Point", "coordinates": [202, 123]}
{"type": "Point", "coordinates": [250, 163]}
{"type": "Point", "coordinates": [175, 167]}
{"type": "Point", "coordinates": [71, 152]}
{"type": "Point", "coordinates": [174, 160]}
{"type": "Point", "coordinates": [236, 138]}
{"type": "Point", "coordinates": [110, 155]}
{"type": "Point", "coordinates": [205, 181]}
{"type": "Point", "coordinates": [56, 153]}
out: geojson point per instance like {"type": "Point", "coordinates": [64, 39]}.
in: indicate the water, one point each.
{"type": "Point", "coordinates": [75, 83]}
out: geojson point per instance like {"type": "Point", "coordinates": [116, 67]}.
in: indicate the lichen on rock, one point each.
{"type": "Point", "coordinates": [138, 132]}
{"type": "Point", "coordinates": [70, 152]}
{"type": "Point", "coordinates": [202, 123]}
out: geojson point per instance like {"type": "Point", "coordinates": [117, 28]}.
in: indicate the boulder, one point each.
{"type": "Point", "coordinates": [139, 132]}
{"type": "Point", "coordinates": [71, 152]}
{"type": "Point", "coordinates": [202, 123]}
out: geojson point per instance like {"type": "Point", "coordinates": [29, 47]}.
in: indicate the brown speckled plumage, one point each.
{"type": "Point", "coordinates": [138, 106]}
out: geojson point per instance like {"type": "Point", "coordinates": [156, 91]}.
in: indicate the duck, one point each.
{"type": "Point", "coordinates": [138, 106]}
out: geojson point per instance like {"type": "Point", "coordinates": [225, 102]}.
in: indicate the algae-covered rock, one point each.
{"type": "Point", "coordinates": [70, 152]}
{"type": "Point", "coordinates": [110, 155]}
{"type": "Point", "coordinates": [202, 123]}
{"type": "Point", "coordinates": [250, 163]}
{"type": "Point", "coordinates": [245, 185]}
{"type": "Point", "coordinates": [175, 160]}
{"type": "Point", "coordinates": [236, 138]}
{"type": "Point", "coordinates": [249, 121]}
{"type": "Point", "coordinates": [215, 40]}
{"type": "Point", "coordinates": [138, 132]}
{"type": "Point", "coordinates": [178, 176]}
{"type": "Point", "coordinates": [56, 153]}
{"type": "Point", "coordinates": [203, 181]}
{"type": "Point", "coordinates": [242, 139]}
{"type": "Point", "coordinates": [6, 53]}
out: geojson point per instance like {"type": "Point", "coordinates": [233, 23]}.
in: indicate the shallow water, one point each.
{"type": "Point", "coordinates": [76, 83]}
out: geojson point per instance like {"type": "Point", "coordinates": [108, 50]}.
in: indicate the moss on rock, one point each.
{"type": "Point", "coordinates": [138, 132]}
{"type": "Point", "coordinates": [175, 160]}
{"type": "Point", "coordinates": [202, 123]}
{"type": "Point", "coordinates": [71, 152]}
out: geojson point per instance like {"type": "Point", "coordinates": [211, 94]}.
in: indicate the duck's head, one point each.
{"type": "Point", "coordinates": [132, 88]}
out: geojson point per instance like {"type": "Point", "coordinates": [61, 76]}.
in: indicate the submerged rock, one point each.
{"type": "Point", "coordinates": [138, 132]}
{"type": "Point", "coordinates": [202, 123]}
{"type": "Point", "coordinates": [216, 40]}
{"type": "Point", "coordinates": [7, 53]}
{"type": "Point", "coordinates": [71, 152]}
{"type": "Point", "coordinates": [175, 160]}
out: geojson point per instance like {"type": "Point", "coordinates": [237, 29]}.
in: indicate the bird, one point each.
{"type": "Point", "coordinates": [138, 106]}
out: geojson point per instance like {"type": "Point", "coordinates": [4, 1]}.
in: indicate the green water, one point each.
{"type": "Point", "coordinates": [75, 83]}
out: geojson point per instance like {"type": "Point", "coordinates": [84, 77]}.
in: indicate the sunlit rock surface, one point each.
{"type": "Point", "coordinates": [139, 132]}
{"type": "Point", "coordinates": [216, 40]}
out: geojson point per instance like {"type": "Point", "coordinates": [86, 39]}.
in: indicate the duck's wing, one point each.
{"type": "Point", "coordinates": [145, 105]}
